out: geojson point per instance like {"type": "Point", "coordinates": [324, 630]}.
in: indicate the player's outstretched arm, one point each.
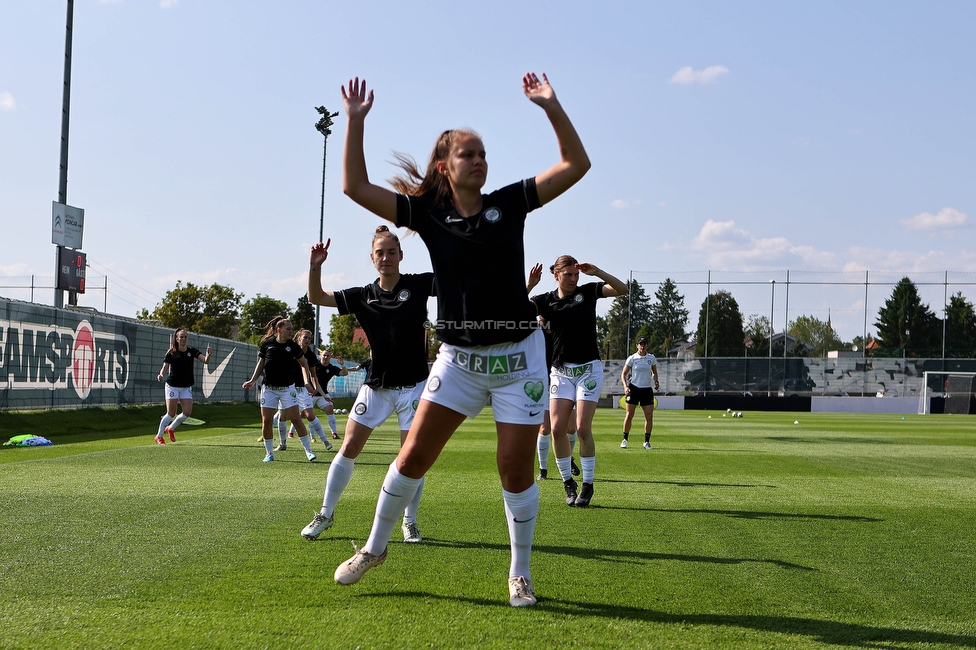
{"type": "Point", "coordinates": [316, 294]}
{"type": "Point", "coordinates": [574, 162]}
{"type": "Point", "coordinates": [355, 179]}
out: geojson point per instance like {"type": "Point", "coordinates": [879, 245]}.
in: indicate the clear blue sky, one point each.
{"type": "Point", "coordinates": [741, 138]}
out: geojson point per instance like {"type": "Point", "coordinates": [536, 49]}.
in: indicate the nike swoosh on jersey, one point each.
{"type": "Point", "coordinates": [210, 379]}
{"type": "Point", "coordinates": [453, 219]}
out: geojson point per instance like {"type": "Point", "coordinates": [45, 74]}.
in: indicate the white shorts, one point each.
{"type": "Point", "coordinates": [512, 374]}
{"type": "Point", "coordinates": [374, 405]}
{"type": "Point", "coordinates": [278, 397]}
{"type": "Point", "coordinates": [578, 382]}
{"type": "Point", "coordinates": [304, 399]}
{"type": "Point", "coordinates": [322, 403]}
{"type": "Point", "coordinates": [177, 393]}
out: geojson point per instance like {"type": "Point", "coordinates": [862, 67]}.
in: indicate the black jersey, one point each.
{"type": "Point", "coordinates": [312, 360]}
{"type": "Point", "coordinates": [394, 322]}
{"type": "Point", "coordinates": [280, 360]}
{"type": "Point", "coordinates": [479, 263]}
{"type": "Point", "coordinates": [181, 367]}
{"type": "Point", "coordinates": [323, 373]}
{"type": "Point", "coordinates": [572, 321]}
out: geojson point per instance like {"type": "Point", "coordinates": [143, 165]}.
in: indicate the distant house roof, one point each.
{"type": "Point", "coordinates": [792, 340]}
{"type": "Point", "coordinates": [359, 336]}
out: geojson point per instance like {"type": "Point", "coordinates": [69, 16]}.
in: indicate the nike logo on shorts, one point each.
{"type": "Point", "coordinates": [532, 414]}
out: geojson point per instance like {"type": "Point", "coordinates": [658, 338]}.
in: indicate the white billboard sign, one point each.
{"type": "Point", "coordinates": [67, 225]}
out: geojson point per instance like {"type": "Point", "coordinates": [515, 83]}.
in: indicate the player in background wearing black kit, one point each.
{"type": "Point", "coordinates": [577, 372]}
{"type": "Point", "coordinates": [491, 346]}
{"type": "Point", "coordinates": [325, 370]}
{"type": "Point", "coordinates": [393, 313]}
{"type": "Point", "coordinates": [640, 380]}
{"type": "Point", "coordinates": [178, 370]}
{"type": "Point", "coordinates": [277, 357]}
{"type": "Point", "coordinates": [545, 429]}
{"type": "Point", "coordinates": [306, 402]}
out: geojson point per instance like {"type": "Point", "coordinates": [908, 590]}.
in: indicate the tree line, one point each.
{"type": "Point", "coordinates": [905, 326]}
{"type": "Point", "coordinates": [218, 310]}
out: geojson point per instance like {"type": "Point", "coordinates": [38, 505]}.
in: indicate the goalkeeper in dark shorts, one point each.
{"type": "Point", "coordinates": [640, 380]}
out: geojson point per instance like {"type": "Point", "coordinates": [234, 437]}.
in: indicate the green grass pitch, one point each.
{"type": "Point", "coordinates": [841, 531]}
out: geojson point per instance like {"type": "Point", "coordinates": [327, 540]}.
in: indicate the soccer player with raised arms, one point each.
{"type": "Point", "coordinates": [491, 345]}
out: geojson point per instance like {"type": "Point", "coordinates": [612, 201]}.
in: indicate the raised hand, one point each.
{"type": "Point", "coordinates": [319, 253]}
{"type": "Point", "coordinates": [535, 276]}
{"type": "Point", "coordinates": [587, 268]}
{"type": "Point", "coordinates": [538, 92]}
{"type": "Point", "coordinates": [357, 101]}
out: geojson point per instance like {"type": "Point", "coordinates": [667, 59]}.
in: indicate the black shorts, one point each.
{"type": "Point", "coordinates": [641, 396]}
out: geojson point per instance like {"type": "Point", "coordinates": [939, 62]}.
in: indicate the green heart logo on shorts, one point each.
{"type": "Point", "coordinates": [590, 384]}
{"type": "Point", "coordinates": [534, 390]}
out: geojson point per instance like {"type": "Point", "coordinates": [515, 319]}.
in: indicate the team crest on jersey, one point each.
{"type": "Point", "coordinates": [434, 384]}
{"type": "Point", "coordinates": [360, 408]}
{"type": "Point", "coordinates": [578, 298]}
{"type": "Point", "coordinates": [404, 295]}
{"type": "Point", "coordinates": [492, 215]}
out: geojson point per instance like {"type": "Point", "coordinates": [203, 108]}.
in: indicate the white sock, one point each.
{"type": "Point", "coordinates": [316, 426]}
{"type": "Point", "coordinates": [163, 423]}
{"type": "Point", "coordinates": [572, 442]}
{"type": "Point", "coordinates": [332, 422]}
{"type": "Point", "coordinates": [340, 472]}
{"type": "Point", "coordinates": [282, 429]}
{"type": "Point", "coordinates": [521, 510]}
{"type": "Point", "coordinates": [589, 468]}
{"type": "Point", "coordinates": [268, 445]}
{"type": "Point", "coordinates": [544, 444]}
{"type": "Point", "coordinates": [398, 490]}
{"type": "Point", "coordinates": [565, 467]}
{"type": "Point", "coordinates": [177, 421]}
{"type": "Point", "coordinates": [410, 512]}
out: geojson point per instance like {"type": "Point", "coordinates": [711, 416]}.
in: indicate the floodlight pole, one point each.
{"type": "Point", "coordinates": [772, 303]}
{"type": "Point", "coordinates": [323, 127]}
{"type": "Point", "coordinates": [63, 176]}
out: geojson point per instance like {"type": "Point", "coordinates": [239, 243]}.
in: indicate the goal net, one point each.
{"type": "Point", "coordinates": [955, 388]}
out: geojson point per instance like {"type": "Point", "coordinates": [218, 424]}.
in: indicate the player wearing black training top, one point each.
{"type": "Point", "coordinates": [393, 312]}
{"type": "Point", "coordinates": [277, 357]}
{"type": "Point", "coordinates": [178, 370]}
{"type": "Point", "coordinates": [576, 375]}
{"type": "Point", "coordinates": [491, 346]}
{"type": "Point", "coordinates": [325, 370]}
{"type": "Point", "coordinates": [306, 403]}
